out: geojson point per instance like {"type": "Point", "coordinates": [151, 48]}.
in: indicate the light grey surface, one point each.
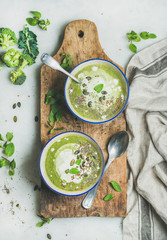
{"type": "Point", "coordinates": [113, 19]}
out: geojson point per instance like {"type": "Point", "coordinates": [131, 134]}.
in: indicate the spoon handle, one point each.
{"type": "Point", "coordinates": [51, 62]}
{"type": "Point", "coordinates": [89, 199]}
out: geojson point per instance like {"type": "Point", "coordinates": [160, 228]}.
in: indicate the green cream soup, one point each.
{"type": "Point", "coordinates": [73, 163]}
{"type": "Point", "coordinates": [101, 95]}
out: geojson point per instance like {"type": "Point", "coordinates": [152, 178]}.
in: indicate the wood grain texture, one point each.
{"type": "Point", "coordinates": [82, 48]}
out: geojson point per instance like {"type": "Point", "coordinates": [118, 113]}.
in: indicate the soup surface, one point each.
{"type": "Point", "coordinates": [101, 95]}
{"type": "Point", "coordinates": [73, 163]}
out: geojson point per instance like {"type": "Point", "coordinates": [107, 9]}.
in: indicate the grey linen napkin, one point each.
{"type": "Point", "coordinates": [146, 116]}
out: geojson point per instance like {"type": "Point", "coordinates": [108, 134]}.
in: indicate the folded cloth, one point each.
{"type": "Point", "coordinates": [146, 116]}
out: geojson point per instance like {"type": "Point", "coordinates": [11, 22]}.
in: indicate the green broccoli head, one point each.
{"type": "Point", "coordinates": [25, 60]}
{"type": "Point", "coordinates": [18, 77]}
{"type": "Point", "coordinates": [11, 58]}
{"type": "Point", "coordinates": [7, 38]}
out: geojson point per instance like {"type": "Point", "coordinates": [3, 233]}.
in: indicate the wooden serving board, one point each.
{"type": "Point", "coordinates": [81, 41]}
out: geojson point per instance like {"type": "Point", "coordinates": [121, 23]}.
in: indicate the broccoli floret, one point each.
{"type": "Point", "coordinates": [7, 38]}
{"type": "Point", "coordinates": [11, 58]}
{"type": "Point", "coordinates": [25, 60]}
{"type": "Point", "coordinates": [18, 77]}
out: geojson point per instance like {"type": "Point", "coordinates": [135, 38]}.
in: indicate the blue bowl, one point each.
{"type": "Point", "coordinates": [45, 176]}
{"type": "Point", "coordinates": [91, 62]}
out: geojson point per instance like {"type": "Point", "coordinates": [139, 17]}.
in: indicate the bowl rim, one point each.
{"type": "Point", "coordinates": [40, 160]}
{"type": "Point", "coordinates": [105, 121]}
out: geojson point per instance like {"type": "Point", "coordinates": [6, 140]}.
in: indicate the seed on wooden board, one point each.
{"type": "Point", "coordinates": [89, 104]}
{"type": "Point", "coordinates": [88, 78]}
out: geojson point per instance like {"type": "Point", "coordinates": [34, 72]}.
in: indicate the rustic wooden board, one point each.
{"type": "Point", "coordinates": [81, 41]}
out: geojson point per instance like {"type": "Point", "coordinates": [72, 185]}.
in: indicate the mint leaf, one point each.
{"type": "Point", "coordinates": [61, 128]}
{"type": "Point", "coordinates": [9, 136]}
{"type": "Point", "coordinates": [4, 162]}
{"type": "Point", "coordinates": [133, 36]}
{"type": "Point", "coordinates": [144, 35]}
{"type": "Point", "coordinates": [1, 138]}
{"type": "Point", "coordinates": [66, 61]}
{"type": "Point", "coordinates": [13, 164]}
{"type": "Point", "coordinates": [133, 48]}
{"type": "Point", "coordinates": [32, 21]}
{"type": "Point", "coordinates": [9, 149]}
{"type": "Point", "coordinates": [108, 197]}
{"type": "Point", "coordinates": [50, 100]}
{"type": "Point", "coordinates": [116, 186]}
{"type": "Point", "coordinates": [78, 161]}
{"type": "Point", "coordinates": [152, 35]}
{"type": "Point", "coordinates": [40, 224]}
{"type": "Point", "coordinates": [11, 173]}
{"type": "Point", "coordinates": [98, 88]}
{"type": "Point", "coordinates": [36, 14]}
{"type": "Point", "coordinates": [74, 171]}
{"type": "Point", "coordinates": [52, 117]}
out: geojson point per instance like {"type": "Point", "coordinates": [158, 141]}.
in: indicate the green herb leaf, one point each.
{"type": "Point", "coordinates": [133, 48]}
{"type": "Point", "coordinates": [108, 197]}
{"type": "Point", "coordinates": [116, 186]}
{"type": "Point", "coordinates": [9, 149]}
{"type": "Point", "coordinates": [78, 161]}
{"type": "Point", "coordinates": [13, 164]}
{"type": "Point", "coordinates": [133, 36]}
{"type": "Point", "coordinates": [4, 162]}
{"type": "Point", "coordinates": [152, 35]}
{"type": "Point", "coordinates": [144, 35]}
{"type": "Point", "coordinates": [59, 115]}
{"type": "Point", "coordinates": [49, 124]}
{"type": "Point", "coordinates": [1, 138]}
{"type": "Point", "coordinates": [32, 21]}
{"type": "Point", "coordinates": [66, 61]}
{"type": "Point", "coordinates": [36, 14]}
{"type": "Point", "coordinates": [50, 100]}
{"type": "Point", "coordinates": [11, 172]}
{"type": "Point", "coordinates": [9, 136]}
{"type": "Point", "coordinates": [98, 88]}
{"type": "Point", "coordinates": [52, 117]}
{"type": "Point", "coordinates": [74, 171]}
{"type": "Point", "coordinates": [47, 22]}
{"type": "Point", "coordinates": [40, 224]}
{"type": "Point", "coordinates": [62, 128]}
{"type": "Point", "coordinates": [51, 131]}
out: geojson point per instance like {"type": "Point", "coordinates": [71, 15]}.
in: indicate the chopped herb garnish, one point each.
{"type": "Point", "coordinates": [44, 220]}
{"type": "Point", "coordinates": [74, 171]}
{"type": "Point", "coordinates": [98, 88]}
{"type": "Point", "coordinates": [78, 161]}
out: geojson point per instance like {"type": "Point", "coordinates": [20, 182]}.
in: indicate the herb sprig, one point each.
{"type": "Point", "coordinates": [36, 20]}
{"type": "Point", "coordinates": [134, 37]}
{"type": "Point", "coordinates": [8, 149]}
{"type": "Point", "coordinates": [54, 99]}
{"type": "Point", "coordinates": [43, 221]}
{"type": "Point", "coordinates": [66, 61]}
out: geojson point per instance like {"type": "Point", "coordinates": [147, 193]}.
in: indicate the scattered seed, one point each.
{"type": "Point", "coordinates": [19, 104]}
{"type": "Point", "coordinates": [89, 104]}
{"type": "Point", "coordinates": [14, 105]}
{"type": "Point", "coordinates": [81, 156]}
{"type": "Point", "coordinates": [104, 92]}
{"type": "Point", "coordinates": [88, 154]}
{"type": "Point", "coordinates": [36, 187]}
{"type": "Point", "coordinates": [36, 118]}
{"type": "Point", "coordinates": [15, 118]}
{"type": "Point", "coordinates": [92, 164]}
{"type": "Point", "coordinates": [49, 236]}
{"type": "Point", "coordinates": [100, 99]}
{"type": "Point", "coordinates": [85, 92]}
{"type": "Point", "coordinates": [88, 78]}
{"type": "Point", "coordinates": [87, 159]}
{"type": "Point", "coordinates": [84, 85]}
{"type": "Point", "coordinates": [76, 152]}
{"type": "Point", "coordinates": [67, 171]}
{"type": "Point", "coordinates": [17, 205]}
{"type": "Point", "coordinates": [85, 174]}
{"type": "Point", "coordinates": [72, 162]}
{"type": "Point", "coordinates": [104, 97]}
{"type": "Point", "coordinates": [93, 157]}
{"type": "Point", "coordinates": [83, 164]}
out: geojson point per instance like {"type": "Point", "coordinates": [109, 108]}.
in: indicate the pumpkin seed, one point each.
{"type": "Point", "coordinates": [49, 236]}
{"type": "Point", "coordinates": [104, 97]}
{"type": "Point", "coordinates": [100, 99]}
{"type": "Point", "coordinates": [72, 162]}
{"type": "Point", "coordinates": [92, 164]}
{"type": "Point", "coordinates": [84, 85]}
{"type": "Point", "coordinates": [67, 171]}
{"type": "Point", "coordinates": [76, 152]}
{"type": "Point", "coordinates": [87, 159]}
{"type": "Point", "coordinates": [85, 174]}
{"type": "Point", "coordinates": [85, 92]}
{"type": "Point", "coordinates": [104, 92]}
{"type": "Point", "coordinates": [89, 104]}
{"type": "Point", "coordinates": [88, 78]}
{"type": "Point", "coordinates": [14, 105]}
{"type": "Point", "coordinates": [83, 164]}
{"type": "Point", "coordinates": [15, 118]}
{"type": "Point", "coordinates": [93, 157]}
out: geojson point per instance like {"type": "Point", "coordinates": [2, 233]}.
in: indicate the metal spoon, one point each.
{"type": "Point", "coordinates": [51, 62]}
{"type": "Point", "coordinates": [116, 147]}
